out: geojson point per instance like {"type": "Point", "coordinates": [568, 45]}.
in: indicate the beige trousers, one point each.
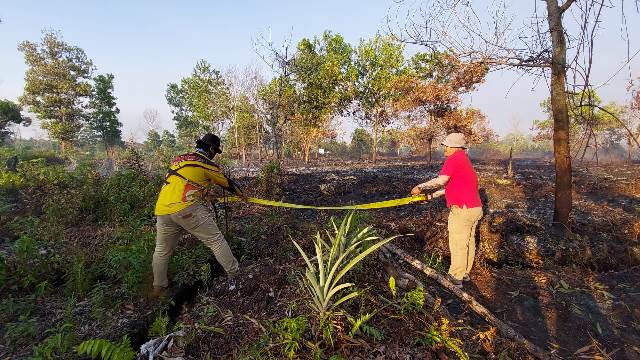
{"type": "Point", "coordinates": [462, 239]}
{"type": "Point", "coordinates": [197, 220]}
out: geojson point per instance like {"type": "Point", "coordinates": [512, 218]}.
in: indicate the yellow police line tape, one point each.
{"type": "Point", "coordinates": [375, 205]}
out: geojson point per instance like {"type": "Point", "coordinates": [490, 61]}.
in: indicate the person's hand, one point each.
{"type": "Point", "coordinates": [416, 191]}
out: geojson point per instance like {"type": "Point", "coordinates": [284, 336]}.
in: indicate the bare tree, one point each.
{"type": "Point", "coordinates": [539, 46]}
{"type": "Point", "coordinates": [252, 81]}
{"type": "Point", "coordinates": [279, 58]}
{"type": "Point", "coordinates": [151, 117]}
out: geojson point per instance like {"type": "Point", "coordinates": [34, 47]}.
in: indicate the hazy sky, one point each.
{"type": "Point", "coordinates": [147, 44]}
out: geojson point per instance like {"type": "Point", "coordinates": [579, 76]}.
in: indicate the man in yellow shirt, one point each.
{"type": "Point", "coordinates": [180, 206]}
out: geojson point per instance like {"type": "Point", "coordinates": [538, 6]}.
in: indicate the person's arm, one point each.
{"type": "Point", "coordinates": [438, 182]}
{"type": "Point", "coordinates": [437, 194]}
{"type": "Point", "coordinates": [216, 176]}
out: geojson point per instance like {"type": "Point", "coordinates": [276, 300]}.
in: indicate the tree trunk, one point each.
{"type": "Point", "coordinates": [235, 122]}
{"type": "Point", "coordinates": [563, 187]}
{"type": "Point", "coordinates": [374, 148]}
{"type": "Point", "coordinates": [629, 149]}
{"type": "Point", "coordinates": [510, 167]}
{"type": "Point", "coordinates": [65, 145]}
{"type": "Point", "coordinates": [595, 142]}
{"type": "Point", "coordinates": [307, 149]}
{"type": "Point", "coordinates": [584, 152]}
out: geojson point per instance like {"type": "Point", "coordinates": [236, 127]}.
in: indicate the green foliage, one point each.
{"type": "Point", "coordinates": [270, 179]}
{"type": "Point", "coordinates": [154, 141]}
{"type": "Point", "coordinates": [160, 325]}
{"type": "Point", "coordinates": [78, 277]}
{"type": "Point", "coordinates": [191, 265]}
{"type": "Point", "coordinates": [200, 102]}
{"type": "Point", "coordinates": [10, 114]}
{"type": "Point", "coordinates": [107, 350]}
{"type": "Point", "coordinates": [21, 332]}
{"type": "Point", "coordinates": [413, 300]}
{"type": "Point", "coordinates": [26, 267]}
{"type": "Point", "coordinates": [59, 343]}
{"type": "Point", "coordinates": [438, 336]}
{"type": "Point", "coordinates": [10, 180]}
{"type": "Point", "coordinates": [290, 333]}
{"type": "Point", "coordinates": [435, 261]}
{"type": "Point", "coordinates": [379, 63]}
{"type": "Point", "coordinates": [103, 120]}
{"type": "Point", "coordinates": [128, 196]}
{"type": "Point", "coordinates": [129, 263]}
{"type": "Point", "coordinates": [334, 259]}
{"type": "Point", "coordinates": [359, 326]}
{"type": "Point", "coordinates": [322, 73]}
{"type": "Point", "coordinates": [4, 276]}
{"type": "Point", "coordinates": [361, 141]}
{"type": "Point", "coordinates": [57, 83]}
{"type": "Point", "coordinates": [99, 301]}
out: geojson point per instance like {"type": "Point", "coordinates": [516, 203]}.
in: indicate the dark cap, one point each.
{"type": "Point", "coordinates": [209, 141]}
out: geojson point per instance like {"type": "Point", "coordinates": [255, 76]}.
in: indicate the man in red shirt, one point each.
{"type": "Point", "coordinates": [463, 199]}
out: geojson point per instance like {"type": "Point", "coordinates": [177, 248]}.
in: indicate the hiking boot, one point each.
{"type": "Point", "coordinates": [160, 292]}
{"type": "Point", "coordinates": [457, 283]}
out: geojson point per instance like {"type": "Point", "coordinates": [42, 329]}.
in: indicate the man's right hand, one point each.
{"type": "Point", "coordinates": [416, 191]}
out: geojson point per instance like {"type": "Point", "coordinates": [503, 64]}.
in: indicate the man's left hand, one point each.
{"type": "Point", "coordinates": [416, 191]}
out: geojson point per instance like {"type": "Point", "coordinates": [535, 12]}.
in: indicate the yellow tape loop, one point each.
{"type": "Point", "coordinates": [375, 205]}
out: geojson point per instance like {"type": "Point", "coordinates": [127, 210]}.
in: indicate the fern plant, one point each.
{"type": "Point", "coordinates": [359, 326]}
{"type": "Point", "coordinates": [438, 336]}
{"type": "Point", "coordinates": [107, 350]}
{"type": "Point", "coordinates": [159, 326]}
{"type": "Point", "coordinates": [333, 260]}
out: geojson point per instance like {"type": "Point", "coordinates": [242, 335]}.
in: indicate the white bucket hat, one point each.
{"type": "Point", "coordinates": [455, 140]}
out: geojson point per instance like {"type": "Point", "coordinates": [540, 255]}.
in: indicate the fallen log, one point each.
{"type": "Point", "coordinates": [506, 330]}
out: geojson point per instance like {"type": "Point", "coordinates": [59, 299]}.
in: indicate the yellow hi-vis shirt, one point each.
{"type": "Point", "coordinates": [188, 177]}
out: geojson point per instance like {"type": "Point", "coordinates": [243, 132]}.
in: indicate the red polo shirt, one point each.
{"type": "Point", "coordinates": [462, 188]}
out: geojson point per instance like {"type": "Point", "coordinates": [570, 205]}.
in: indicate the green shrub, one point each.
{"type": "Point", "coordinates": [270, 179]}
{"type": "Point", "coordinates": [413, 300]}
{"type": "Point", "coordinates": [129, 263]}
{"type": "Point", "coordinates": [78, 277]}
{"type": "Point", "coordinates": [190, 265]}
{"type": "Point", "coordinates": [290, 333]}
{"type": "Point", "coordinates": [159, 326]}
{"type": "Point", "coordinates": [59, 343]}
{"type": "Point", "coordinates": [438, 336]}
{"type": "Point", "coordinates": [10, 180]}
{"type": "Point", "coordinates": [128, 195]}
{"type": "Point", "coordinates": [20, 333]}
{"type": "Point", "coordinates": [435, 261]}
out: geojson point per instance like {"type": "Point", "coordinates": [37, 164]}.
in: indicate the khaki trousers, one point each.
{"type": "Point", "coordinates": [462, 239]}
{"type": "Point", "coordinates": [197, 220]}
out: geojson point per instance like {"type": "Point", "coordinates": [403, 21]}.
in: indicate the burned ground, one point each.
{"type": "Point", "coordinates": [574, 296]}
